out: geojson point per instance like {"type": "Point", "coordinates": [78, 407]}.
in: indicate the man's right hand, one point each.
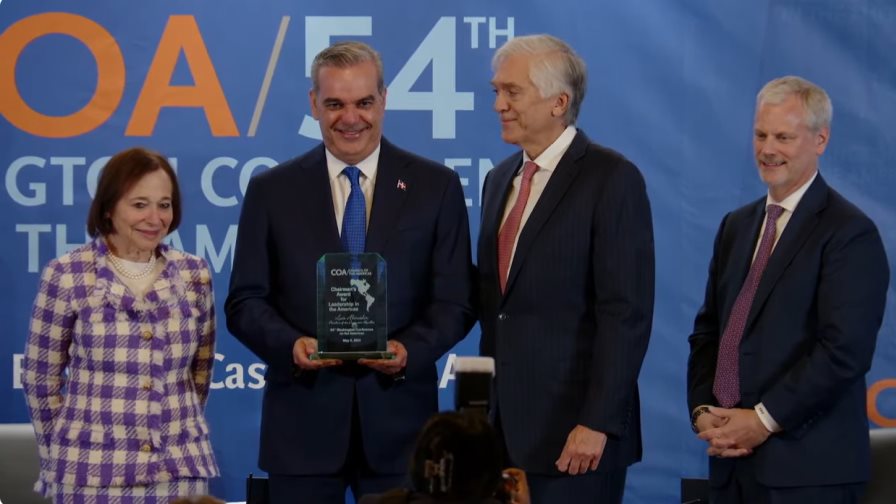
{"type": "Point", "coordinates": [301, 355]}
{"type": "Point", "coordinates": [709, 420]}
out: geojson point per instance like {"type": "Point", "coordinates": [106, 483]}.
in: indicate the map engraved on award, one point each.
{"type": "Point", "coordinates": [351, 307]}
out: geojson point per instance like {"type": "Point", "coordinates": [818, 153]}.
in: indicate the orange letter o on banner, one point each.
{"type": "Point", "coordinates": [110, 75]}
{"type": "Point", "coordinates": [873, 413]}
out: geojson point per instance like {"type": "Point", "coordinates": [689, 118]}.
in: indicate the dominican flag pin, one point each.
{"type": "Point", "coordinates": [401, 185]}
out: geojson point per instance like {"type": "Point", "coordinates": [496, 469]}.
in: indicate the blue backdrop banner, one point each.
{"type": "Point", "coordinates": [221, 88]}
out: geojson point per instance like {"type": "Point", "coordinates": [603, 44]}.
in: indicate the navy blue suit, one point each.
{"type": "Point", "coordinates": [570, 333]}
{"type": "Point", "coordinates": [287, 224]}
{"type": "Point", "coordinates": [809, 338]}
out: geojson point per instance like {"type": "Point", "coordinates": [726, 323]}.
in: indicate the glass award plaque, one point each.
{"type": "Point", "coordinates": [351, 307]}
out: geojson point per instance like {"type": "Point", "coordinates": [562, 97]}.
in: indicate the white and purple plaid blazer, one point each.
{"type": "Point", "coordinates": [116, 386]}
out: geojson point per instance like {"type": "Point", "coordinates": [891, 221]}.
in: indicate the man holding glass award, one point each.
{"type": "Point", "coordinates": [351, 277]}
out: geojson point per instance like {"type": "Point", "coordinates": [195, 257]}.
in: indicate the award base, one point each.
{"type": "Point", "coordinates": [350, 356]}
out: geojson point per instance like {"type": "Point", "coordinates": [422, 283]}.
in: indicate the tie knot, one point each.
{"type": "Point", "coordinates": [529, 169]}
{"type": "Point", "coordinates": [353, 173]}
{"type": "Point", "coordinates": [774, 211]}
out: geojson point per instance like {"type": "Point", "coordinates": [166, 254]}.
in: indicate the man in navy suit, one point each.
{"type": "Point", "coordinates": [794, 301]}
{"type": "Point", "coordinates": [566, 283]}
{"type": "Point", "coordinates": [328, 424]}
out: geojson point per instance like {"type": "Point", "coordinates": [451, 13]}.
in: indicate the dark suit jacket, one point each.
{"type": "Point", "coordinates": [287, 223]}
{"type": "Point", "coordinates": [809, 337]}
{"type": "Point", "coordinates": [570, 334]}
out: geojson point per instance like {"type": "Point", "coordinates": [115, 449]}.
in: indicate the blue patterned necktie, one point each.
{"type": "Point", "coordinates": [354, 220]}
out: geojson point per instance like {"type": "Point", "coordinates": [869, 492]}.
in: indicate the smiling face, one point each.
{"type": "Point", "coordinates": [142, 217]}
{"type": "Point", "coordinates": [527, 119]}
{"type": "Point", "coordinates": [350, 110]}
{"type": "Point", "coordinates": [786, 149]}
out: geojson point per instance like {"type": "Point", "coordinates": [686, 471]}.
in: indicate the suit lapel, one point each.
{"type": "Point", "coordinates": [742, 254]}
{"type": "Point", "coordinates": [388, 197]}
{"type": "Point", "coordinates": [567, 170]}
{"type": "Point", "coordinates": [800, 226]}
{"type": "Point", "coordinates": [495, 201]}
{"type": "Point", "coordinates": [317, 196]}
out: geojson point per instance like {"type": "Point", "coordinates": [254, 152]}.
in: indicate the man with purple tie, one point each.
{"type": "Point", "coordinates": [794, 301]}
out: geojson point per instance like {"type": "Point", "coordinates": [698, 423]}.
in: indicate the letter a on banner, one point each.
{"type": "Point", "coordinates": [182, 33]}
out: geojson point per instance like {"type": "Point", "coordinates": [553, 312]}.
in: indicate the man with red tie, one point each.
{"type": "Point", "coordinates": [566, 283]}
{"type": "Point", "coordinates": [794, 300]}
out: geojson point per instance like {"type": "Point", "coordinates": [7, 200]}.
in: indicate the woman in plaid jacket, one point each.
{"type": "Point", "coordinates": [119, 355]}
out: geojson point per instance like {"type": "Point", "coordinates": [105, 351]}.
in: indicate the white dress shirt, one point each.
{"type": "Point", "coordinates": [341, 186]}
{"type": "Point", "coordinates": [547, 162]}
{"type": "Point", "coordinates": [789, 205]}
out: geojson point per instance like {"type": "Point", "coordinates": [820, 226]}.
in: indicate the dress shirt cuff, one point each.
{"type": "Point", "coordinates": [766, 418]}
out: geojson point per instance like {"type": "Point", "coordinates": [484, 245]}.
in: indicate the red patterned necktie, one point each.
{"type": "Point", "coordinates": [726, 387]}
{"type": "Point", "coordinates": [507, 235]}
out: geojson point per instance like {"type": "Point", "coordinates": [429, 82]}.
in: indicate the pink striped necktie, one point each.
{"type": "Point", "coordinates": [726, 386]}
{"type": "Point", "coordinates": [511, 227]}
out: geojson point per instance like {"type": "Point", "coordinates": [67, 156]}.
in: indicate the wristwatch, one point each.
{"type": "Point", "coordinates": [699, 410]}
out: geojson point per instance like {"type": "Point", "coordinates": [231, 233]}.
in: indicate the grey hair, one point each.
{"type": "Point", "coordinates": [819, 110]}
{"type": "Point", "coordinates": [346, 54]}
{"type": "Point", "coordinates": [556, 69]}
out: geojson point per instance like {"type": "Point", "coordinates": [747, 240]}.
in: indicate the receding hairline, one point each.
{"type": "Point", "coordinates": [536, 45]}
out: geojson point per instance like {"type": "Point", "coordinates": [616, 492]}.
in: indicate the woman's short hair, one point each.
{"type": "Point", "coordinates": [120, 174]}
{"type": "Point", "coordinates": [457, 456]}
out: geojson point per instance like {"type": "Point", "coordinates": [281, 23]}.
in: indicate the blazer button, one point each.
{"type": "Point", "coordinates": [146, 448]}
{"type": "Point", "coordinates": [146, 335]}
{"type": "Point", "coordinates": [502, 316]}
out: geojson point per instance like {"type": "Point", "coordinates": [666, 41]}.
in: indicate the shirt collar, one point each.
{"type": "Point", "coordinates": [789, 203]}
{"type": "Point", "coordinates": [367, 165]}
{"type": "Point", "coordinates": [550, 158]}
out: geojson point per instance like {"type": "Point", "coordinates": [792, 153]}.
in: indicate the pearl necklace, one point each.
{"type": "Point", "coordinates": [140, 274]}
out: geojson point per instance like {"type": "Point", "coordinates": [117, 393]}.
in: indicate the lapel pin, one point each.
{"type": "Point", "coordinates": [401, 185]}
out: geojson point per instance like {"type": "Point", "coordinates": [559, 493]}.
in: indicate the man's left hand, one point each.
{"type": "Point", "coordinates": [741, 433]}
{"type": "Point", "coordinates": [389, 366]}
{"type": "Point", "coordinates": [582, 451]}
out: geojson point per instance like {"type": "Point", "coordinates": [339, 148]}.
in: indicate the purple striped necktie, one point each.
{"type": "Point", "coordinates": [726, 386]}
